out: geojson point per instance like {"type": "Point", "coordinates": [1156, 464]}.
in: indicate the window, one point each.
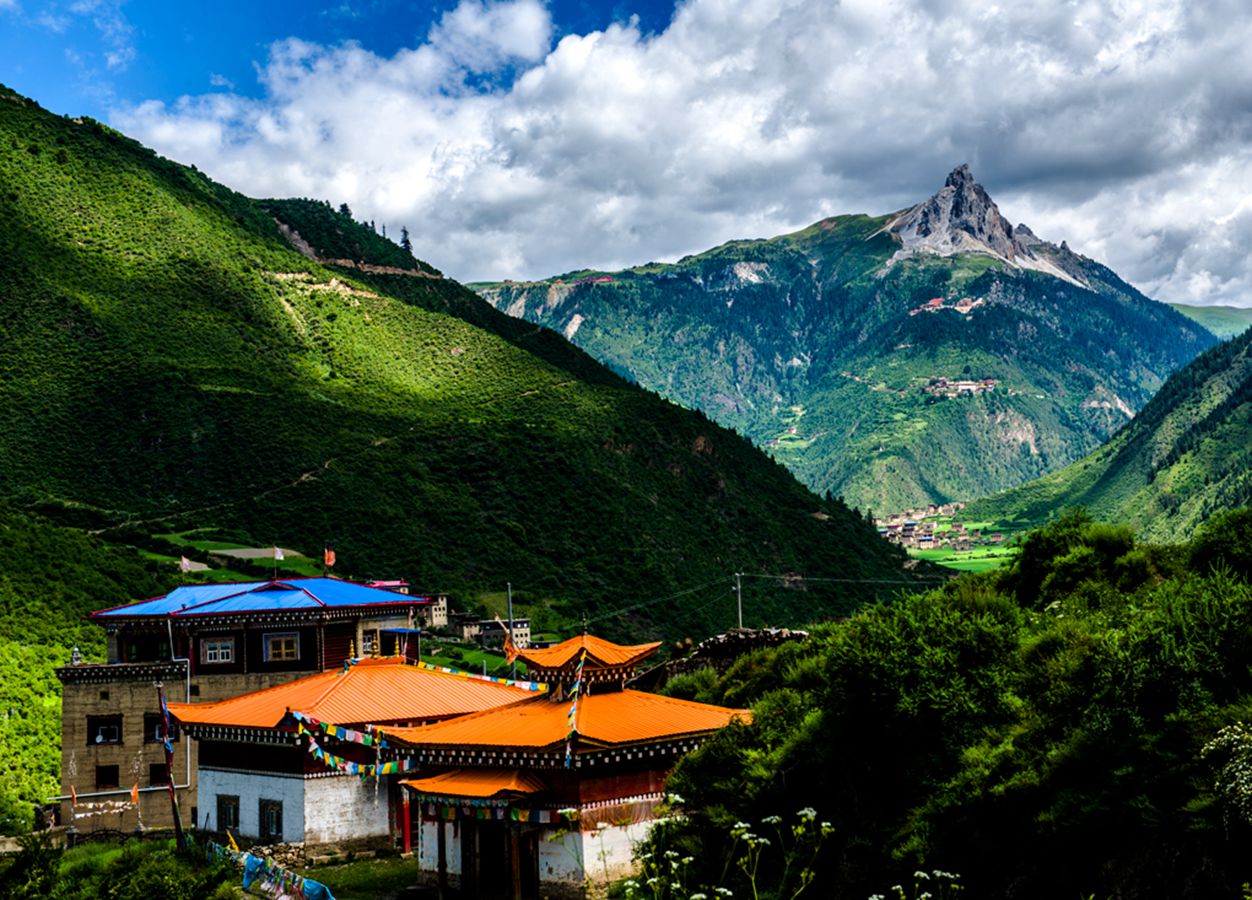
{"type": "Point", "coordinates": [227, 812]}
{"type": "Point", "coordinates": [104, 730]}
{"type": "Point", "coordinates": [153, 729]}
{"type": "Point", "coordinates": [158, 774]}
{"type": "Point", "coordinates": [106, 777]}
{"type": "Point", "coordinates": [104, 695]}
{"type": "Point", "coordinates": [195, 690]}
{"type": "Point", "coordinates": [282, 647]}
{"type": "Point", "coordinates": [271, 820]}
{"type": "Point", "coordinates": [369, 642]}
{"type": "Point", "coordinates": [217, 650]}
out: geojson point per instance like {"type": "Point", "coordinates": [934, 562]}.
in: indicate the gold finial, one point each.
{"type": "Point", "coordinates": [351, 649]}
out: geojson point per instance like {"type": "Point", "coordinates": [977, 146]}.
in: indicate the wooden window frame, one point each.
{"type": "Point", "coordinates": [285, 653]}
{"type": "Point", "coordinates": [96, 723]}
{"type": "Point", "coordinates": [215, 647]}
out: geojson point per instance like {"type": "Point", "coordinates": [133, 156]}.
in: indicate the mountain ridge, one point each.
{"type": "Point", "coordinates": [835, 346]}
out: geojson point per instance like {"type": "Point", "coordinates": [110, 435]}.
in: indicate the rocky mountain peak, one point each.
{"type": "Point", "coordinates": [962, 218]}
{"type": "Point", "coordinates": [960, 177]}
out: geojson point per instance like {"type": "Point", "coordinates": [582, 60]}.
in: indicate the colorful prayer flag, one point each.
{"type": "Point", "coordinates": [278, 553]}
{"type": "Point", "coordinates": [328, 557]}
{"type": "Point", "coordinates": [184, 564]}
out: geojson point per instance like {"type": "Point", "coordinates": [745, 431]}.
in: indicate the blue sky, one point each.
{"type": "Point", "coordinates": [527, 138]}
{"type": "Point", "coordinates": [85, 57]}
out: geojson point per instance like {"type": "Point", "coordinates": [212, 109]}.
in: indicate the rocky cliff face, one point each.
{"type": "Point", "coordinates": [962, 218]}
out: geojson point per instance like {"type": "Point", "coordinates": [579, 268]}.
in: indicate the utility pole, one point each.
{"type": "Point", "coordinates": [511, 641]}
{"type": "Point", "coordinates": [739, 596]}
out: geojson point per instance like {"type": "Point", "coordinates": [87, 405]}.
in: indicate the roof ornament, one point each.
{"type": "Point", "coordinates": [76, 656]}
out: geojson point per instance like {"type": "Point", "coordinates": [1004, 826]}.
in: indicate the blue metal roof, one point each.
{"type": "Point", "coordinates": [258, 596]}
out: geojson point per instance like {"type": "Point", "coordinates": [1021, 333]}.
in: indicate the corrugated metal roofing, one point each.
{"type": "Point", "coordinates": [621, 717]}
{"type": "Point", "coordinates": [372, 690]}
{"type": "Point", "coordinates": [477, 783]}
{"type": "Point", "coordinates": [258, 596]}
{"type": "Point", "coordinates": [604, 652]}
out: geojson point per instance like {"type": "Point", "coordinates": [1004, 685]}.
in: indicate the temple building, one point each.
{"type": "Point", "coordinates": [202, 642]}
{"type": "Point", "coordinates": [304, 761]}
{"type": "Point", "coordinates": [554, 791]}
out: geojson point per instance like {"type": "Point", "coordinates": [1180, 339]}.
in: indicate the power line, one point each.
{"type": "Point", "coordinates": [635, 606]}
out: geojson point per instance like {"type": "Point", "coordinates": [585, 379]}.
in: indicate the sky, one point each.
{"type": "Point", "coordinates": [522, 138]}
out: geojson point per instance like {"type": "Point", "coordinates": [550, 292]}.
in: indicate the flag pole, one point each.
{"type": "Point", "coordinates": [179, 838]}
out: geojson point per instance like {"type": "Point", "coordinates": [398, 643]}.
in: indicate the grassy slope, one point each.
{"type": "Point", "coordinates": [1223, 321]}
{"type": "Point", "coordinates": [1186, 455]}
{"type": "Point", "coordinates": [805, 344]}
{"type": "Point", "coordinates": [170, 362]}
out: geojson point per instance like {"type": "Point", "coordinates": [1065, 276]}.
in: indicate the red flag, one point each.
{"type": "Point", "coordinates": [328, 557]}
{"type": "Point", "coordinates": [134, 794]}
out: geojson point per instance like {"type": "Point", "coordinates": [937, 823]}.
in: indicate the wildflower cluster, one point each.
{"type": "Point", "coordinates": [933, 885]}
{"type": "Point", "coordinates": [775, 858]}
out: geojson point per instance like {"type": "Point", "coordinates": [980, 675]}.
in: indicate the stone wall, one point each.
{"type": "Point", "coordinates": [343, 807]}
{"type": "Point", "coordinates": [127, 690]}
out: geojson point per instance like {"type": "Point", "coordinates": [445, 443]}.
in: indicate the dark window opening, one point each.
{"type": "Point", "coordinates": [154, 729]}
{"type": "Point", "coordinates": [227, 812]}
{"type": "Point", "coordinates": [195, 690]}
{"type": "Point", "coordinates": [271, 820]}
{"type": "Point", "coordinates": [104, 730]}
{"type": "Point", "coordinates": [104, 695]}
{"type": "Point", "coordinates": [106, 777]}
{"type": "Point", "coordinates": [158, 774]}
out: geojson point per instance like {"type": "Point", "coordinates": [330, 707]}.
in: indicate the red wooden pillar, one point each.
{"type": "Point", "coordinates": [406, 824]}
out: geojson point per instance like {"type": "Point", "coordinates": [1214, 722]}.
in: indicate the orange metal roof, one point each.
{"type": "Point", "coordinates": [372, 690]}
{"type": "Point", "coordinates": [477, 783]}
{"type": "Point", "coordinates": [621, 717]}
{"type": "Point", "coordinates": [598, 649]}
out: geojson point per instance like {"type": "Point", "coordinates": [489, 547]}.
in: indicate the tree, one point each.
{"type": "Point", "coordinates": [345, 210]}
{"type": "Point", "coordinates": [405, 243]}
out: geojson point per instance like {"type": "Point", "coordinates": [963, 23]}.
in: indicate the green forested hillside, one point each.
{"type": "Point", "coordinates": [819, 347]}
{"type": "Point", "coordinates": [1185, 457]}
{"type": "Point", "coordinates": [169, 361]}
{"type": "Point", "coordinates": [1055, 730]}
{"type": "Point", "coordinates": [50, 579]}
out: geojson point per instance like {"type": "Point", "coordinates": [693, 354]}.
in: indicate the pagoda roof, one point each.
{"type": "Point", "coordinates": [613, 718]}
{"type": "Point", "coordinates": [606, 653]}
{"type": "Point", "coordinates": [477, 783]}
{"type": "Point", "coordinates": [387, 689]}
{"type": "Point", "coordinates": [281, 595]}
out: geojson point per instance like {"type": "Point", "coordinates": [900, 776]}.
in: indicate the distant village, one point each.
{"type": "Point", "coordinates": [921, 529]}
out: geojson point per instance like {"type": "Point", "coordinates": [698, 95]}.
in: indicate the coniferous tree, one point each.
{"type": "Point", "coordinates": [405, 243]}
{"type": "Point", "coordinates": [345, 210]}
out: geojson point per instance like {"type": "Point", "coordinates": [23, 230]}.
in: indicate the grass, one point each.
{"type": "Point", "coordinates": [366, 879]}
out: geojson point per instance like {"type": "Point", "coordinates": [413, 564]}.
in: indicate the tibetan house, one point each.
{"type": "Point", "coordinates": [555, 790]}
{"type": "Point", "coordinates": [273, 767]}
{"type": "Point", "coordinates": [204, 642]}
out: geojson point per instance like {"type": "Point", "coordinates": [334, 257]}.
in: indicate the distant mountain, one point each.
{"type": "Point", "coordinates": [1187, 455]}
{"type": "Point", "coordinates": [169, 359]}
{"type": "Point", "coordinates": [932, 354]}
{"type": "Point", "coordinates": [1223, 321]}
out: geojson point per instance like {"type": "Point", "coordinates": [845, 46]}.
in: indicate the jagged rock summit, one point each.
{"type": "Point", "coordinates": [962, 218]}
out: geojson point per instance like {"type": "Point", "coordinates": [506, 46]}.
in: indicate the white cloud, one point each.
{"type": "Point", "coordinates": [1124, 127]}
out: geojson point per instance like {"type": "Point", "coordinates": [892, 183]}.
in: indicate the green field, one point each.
{"type": "Point", "coordinates": [980, 559]}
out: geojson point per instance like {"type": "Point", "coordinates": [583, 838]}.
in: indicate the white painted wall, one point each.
{"type": "Point", "coordinates": [612, 849]}
{"type": "Point", "coordinates": [343, 807]}
{"type": "Point", "coordinates": [428, 847]}
{"type": "Point", "coordinates": [251, 789]}
{"type": "Point", "coordinates": [561, 859]}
